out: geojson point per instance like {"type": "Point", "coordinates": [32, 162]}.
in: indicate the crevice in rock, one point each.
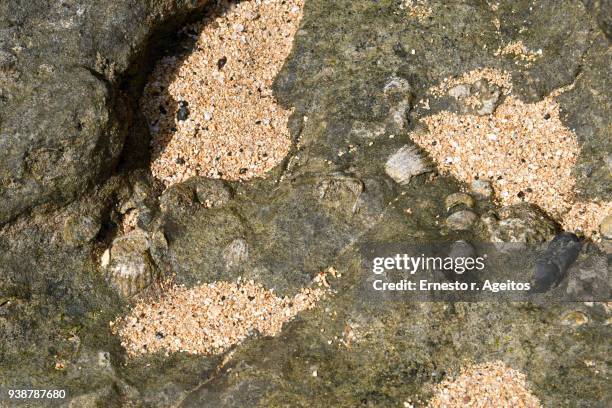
{"type": "Point", "coordinates": [163, 41]}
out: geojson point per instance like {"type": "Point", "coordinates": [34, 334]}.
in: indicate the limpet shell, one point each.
{"type": "Point", "coordinates": [130, 267]}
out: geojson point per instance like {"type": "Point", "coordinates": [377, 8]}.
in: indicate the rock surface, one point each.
{"type": "Point", "coordinates": [69, 75]}
{"type": "Point", "coordinates": [64, 112]}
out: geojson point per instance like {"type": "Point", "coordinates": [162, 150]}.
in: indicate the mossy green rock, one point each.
{"type": "Point", "coordinates": [354, 82]}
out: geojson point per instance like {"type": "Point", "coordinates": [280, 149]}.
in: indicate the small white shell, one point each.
{"type": "Point", "coordinates": [574, 318]}
{"type": "Point", "coordinates": [406, 163]}
{"type": "Point", "coordinates": [105, 258]}
{"type": "Point", "coordinates": [236, 253]}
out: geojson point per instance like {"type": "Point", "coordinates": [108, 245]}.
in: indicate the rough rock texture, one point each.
{"type": "Point", "coordinates": [63, 112]}
{"type": "Point", "coordinates": [318, 209]}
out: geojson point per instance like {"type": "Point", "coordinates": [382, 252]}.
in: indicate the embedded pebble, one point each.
{"type": "Point", "coordinates": [459, 91]}
{"type": "Point", "coordinates": [455, 199]}
{"type": "Point", "coordinates": [574, 318]}
{"type": "Point", "coordinates": [461, 220]}
{"type": "Point", "coordinates": [605, 228]}
{"type": "Point", "coordinates": [79, 230]}
{"type": "Point", "coordinates": [484, 99]}
{"type": "Point", "coordinates": [552, 266]}
{"type": "Point", "coordinates": [183, 112]}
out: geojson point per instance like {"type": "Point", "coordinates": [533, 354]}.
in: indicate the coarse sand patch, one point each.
{"type": "Point", "coordinates": [213, 113]}
{"type": "Point", "coordinates": [417, 9]}
{"type": "Point", "coordinates": [587, 217]}
{"type": "Point", "coordinates": [518, 50]}
{"type": "Point", "coordinates": [525, 155]}
{"type": "Point", "coordinates": [487, 385]}
{"type": "Point", "coordinates": [210, 318]}
{"type": "Point", "coordinates": [494, 76]}
{"type": "Point", "coordinates": [523, 149]}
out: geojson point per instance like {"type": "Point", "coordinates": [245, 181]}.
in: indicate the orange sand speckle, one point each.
{"type": "Point", "coordinates": [417, 9]}
{"type": "Point", "coordinates": [520, 51]}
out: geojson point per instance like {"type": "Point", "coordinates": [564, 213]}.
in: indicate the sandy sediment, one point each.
{"type": "Point", "coordinates": [213, 113]}
{"type": "Point", "coordinates": [487, 385]}
{"type": "Point", "coordinates": [523, 149]}
{"type": "Point", "coordinates": [209, 318]}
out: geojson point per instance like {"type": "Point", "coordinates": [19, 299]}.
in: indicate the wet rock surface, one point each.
{"type": "Point", "coordinates": [354, 76]}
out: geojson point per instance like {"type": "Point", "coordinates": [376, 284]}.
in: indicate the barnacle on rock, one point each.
{"type": "Point", "coordinates": [406, 163]}
{"type": "Point", "coordinates": [130, 265]}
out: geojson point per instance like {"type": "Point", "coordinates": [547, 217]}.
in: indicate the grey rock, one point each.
{"type": "Point", "coordinates": [461, 220]}
{"type": "Point", "coordinates": [605, 228]}
{"type": "Point", "coordinates": [343, 55]}
{"type": "Point", "coordinates": [80, 229]}
{"type": "Point", "coordinates": [519, 223]}
{"type": "Point", "coordinates": [64, 124]}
